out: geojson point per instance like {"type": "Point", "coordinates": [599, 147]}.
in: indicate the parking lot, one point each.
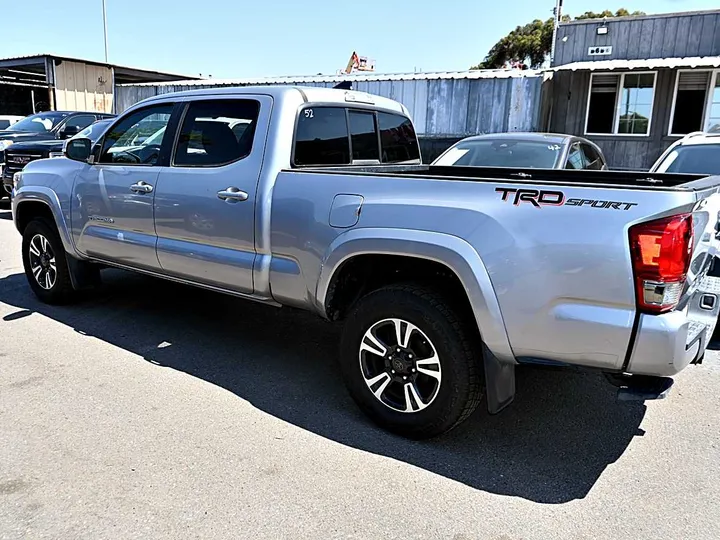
{"type": "Point", "coordinates": [153, 410]}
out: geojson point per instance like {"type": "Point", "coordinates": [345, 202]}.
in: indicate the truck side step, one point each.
{"type": "Point", "coordinates": [640, 387]}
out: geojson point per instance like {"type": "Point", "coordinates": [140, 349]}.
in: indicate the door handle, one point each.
{"type": "Point", "coordinates": [232, 195]}
{"type": "Point", "coordinates": [141, 187]}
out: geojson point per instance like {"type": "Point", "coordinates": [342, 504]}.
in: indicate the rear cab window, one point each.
{"type": "Point", "coordinates": [335, 135]}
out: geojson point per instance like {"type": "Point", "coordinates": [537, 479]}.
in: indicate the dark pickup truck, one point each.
{"type": "Point", "coordinates": [46, 126]}
{"type": "Point", "coordinates": [20, 154]}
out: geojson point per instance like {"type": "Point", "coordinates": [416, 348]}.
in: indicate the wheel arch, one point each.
{"type": "Point", "coordinates": [41, 202]}
{"type": "Point", "coordinates": [451, 252]}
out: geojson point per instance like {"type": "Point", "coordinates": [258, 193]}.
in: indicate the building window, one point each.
{"type": "Point", "coordinates": [620, 103]}
{"type": "Point", "coordinates": [713, 121]}
{"type": "Point", "coordinates": [691, 93]}
{"type": "Point", "coordinates": [696, 102]}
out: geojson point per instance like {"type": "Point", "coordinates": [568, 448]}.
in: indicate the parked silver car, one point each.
{"type": "Point", "coordinates": [525, 150]}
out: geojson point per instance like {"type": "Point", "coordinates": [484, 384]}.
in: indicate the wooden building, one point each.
{"type": "Point", "coordinates": [634, 85]}
{"type": "Point", "coordinates": [43, 82]}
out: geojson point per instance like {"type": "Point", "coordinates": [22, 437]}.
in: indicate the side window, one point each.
{"type": "Point", "coordinates": [397, 138]}
{"type": "Point", "coordinates": [80, 121]}
{"type": "Point", "coordinates": [137, 138]}
{"type": "Point", "coordinates": [575, 159]}
{"type": "Point", "coordinates": [363, 136]}
{"type": "Point", "coordinates": [322, 137]}
{"type": "Point", "coordinates": [592, 157]}
{"type": "Point", "coordinates": [217, 132]}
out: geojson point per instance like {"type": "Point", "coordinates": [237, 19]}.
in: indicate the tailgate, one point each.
{"type": "Point", "coordinates": [701, 297]}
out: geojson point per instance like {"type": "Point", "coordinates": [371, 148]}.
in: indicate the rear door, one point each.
{"type": "Point", "coordinates": [114, 217]}
{"type": "Point", "coordinates": [205, 199]}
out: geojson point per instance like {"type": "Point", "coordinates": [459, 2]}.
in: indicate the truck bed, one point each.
{"type": "Point", "coordinates": [584, 178]}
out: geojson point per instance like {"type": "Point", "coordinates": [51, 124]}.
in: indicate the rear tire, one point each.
{"type": "Point", "coordinates": [45, 263]}
{"type": "Point", "coordinates": [410, 362]}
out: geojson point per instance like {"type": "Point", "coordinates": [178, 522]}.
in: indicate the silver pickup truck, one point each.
{"type": "Point", "coordinates": [445, 278]}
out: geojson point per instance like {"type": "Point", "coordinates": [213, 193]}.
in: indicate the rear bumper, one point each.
{"type": "Point", "coordinates": [666, 344]}
{"type": "Point", "coordinates": [662, 346]}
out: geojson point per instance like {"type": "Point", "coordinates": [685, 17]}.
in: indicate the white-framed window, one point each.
{"type": "Point", "coordinates": [696, 101]}
{"type": "Point", "coordinates": [620, 103]}
{"type": "Point", "coordinates": [712, 119]}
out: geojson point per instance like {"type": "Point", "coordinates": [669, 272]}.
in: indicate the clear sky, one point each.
{"type": "Point", "coordinates": [240, 38]}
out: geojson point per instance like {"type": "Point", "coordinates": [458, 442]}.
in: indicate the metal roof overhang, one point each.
{"type": "Point", "coordinates": [30, 71]}
{"type": "Point", "coordinates": [649, 63]}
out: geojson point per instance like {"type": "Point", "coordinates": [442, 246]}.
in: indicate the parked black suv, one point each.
{"type": "Point", "coordinates": [20, 154]}
{"type": "Point", "coordinates": [46, 126]}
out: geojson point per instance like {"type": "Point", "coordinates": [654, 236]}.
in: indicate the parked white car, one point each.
{"type": "Point", "coordinates": [697, 153]}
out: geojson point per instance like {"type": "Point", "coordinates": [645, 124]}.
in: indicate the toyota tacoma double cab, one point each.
{"type": "Point", "coordinates": [445, 279]}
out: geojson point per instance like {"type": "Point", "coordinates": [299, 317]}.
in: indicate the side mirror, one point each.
{"type": "Point", "coordinates": [78, 149]}
{"type": "Point", "coordinates": [69, 131]}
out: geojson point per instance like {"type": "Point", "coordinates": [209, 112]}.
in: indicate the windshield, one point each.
{"type": "Point", "coordinates": [4, 124]}
{"type": "Point", "coordinates": [502, 153]}
{"type": "Point", "coordinates": [93, 131]}
{"type": "Point", "coordinates": [38, 123]}
{"type": "Point", "coordinates": [695, 159]}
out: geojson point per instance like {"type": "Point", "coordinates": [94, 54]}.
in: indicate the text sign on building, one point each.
{"type": "Point", "coordinates": [604, 50]}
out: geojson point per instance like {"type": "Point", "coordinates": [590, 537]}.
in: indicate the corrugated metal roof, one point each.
{"type": "Point", "coordinates": [96, 62]}
{"type": "Point", "coordinates": [641, 17]}
{"type": "Point", "coordinates": [358, 77]}
{"type": "Point", "coordinates": [651, 63]}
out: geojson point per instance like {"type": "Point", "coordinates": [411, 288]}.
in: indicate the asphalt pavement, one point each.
{"type": "Point", "coordinates": [153, 410]}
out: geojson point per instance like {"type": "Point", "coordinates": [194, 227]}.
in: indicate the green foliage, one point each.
{"type": "Point", "coordinates": [530, 44]}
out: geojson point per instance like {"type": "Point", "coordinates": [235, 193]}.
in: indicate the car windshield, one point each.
{"type": "Point", "coordinates": [38, 123]}
{"type": "Point", "coordinates": [93, 131]}
{"type": "Point", "coordinates": [4, 124]}
{"type": "Point", "coordinates": [694, 159]}
{"type": "Point", "coordinates": [502, 153]}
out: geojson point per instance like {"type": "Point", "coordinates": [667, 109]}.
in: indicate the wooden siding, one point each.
{"type": "Point", "coordinates": [657, 36]}
{"type": "Point", "coordinates": [440, 108]}
{"type": "Point", "coordinates": [569, 110]}
{"type": "Point", "coordinates": [83, 87]}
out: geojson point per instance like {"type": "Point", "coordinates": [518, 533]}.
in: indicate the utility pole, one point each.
{"type": "Point", "coordinates": [105, 30]}
{"type": "Point", "coordinates": [558, 17]}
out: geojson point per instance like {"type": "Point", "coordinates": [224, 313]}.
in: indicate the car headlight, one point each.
{"type": "Point", "coordinates": [4, 144]}
{"type": "Point", "coordinates": [56, 154]}
{"type": "Point", "coordinates": [16, 179]}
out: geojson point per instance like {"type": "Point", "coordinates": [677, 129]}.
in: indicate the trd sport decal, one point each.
{"type": "Point", "coordinates": [539, 198]}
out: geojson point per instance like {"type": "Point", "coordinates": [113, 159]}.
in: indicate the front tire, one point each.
{"type": "Point", "coordinates": [45, 263]}
{"type": "Point", "coordinates": [411, 362]}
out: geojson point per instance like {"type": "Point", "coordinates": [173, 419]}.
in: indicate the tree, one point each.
{"type": "Point", "coordinates": [531, 44]}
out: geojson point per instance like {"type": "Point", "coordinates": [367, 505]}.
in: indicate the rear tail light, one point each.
{"type": "Point", "coordinates": [661, 252]}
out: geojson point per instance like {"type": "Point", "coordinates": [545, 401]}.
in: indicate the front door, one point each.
{"type": "Point", "coordinates": [113, 213]}
{"type": "Point", "coordinates": [205, 199]}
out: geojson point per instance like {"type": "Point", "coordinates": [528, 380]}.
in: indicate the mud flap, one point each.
{"type": "Point", "coordinates": [83, 275]}
{"type": "Point", "coordinates": [499, 382]}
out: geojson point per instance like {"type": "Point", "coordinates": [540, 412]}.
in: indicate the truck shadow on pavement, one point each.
{"type": "Point", "coordinates": [550, 446]}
